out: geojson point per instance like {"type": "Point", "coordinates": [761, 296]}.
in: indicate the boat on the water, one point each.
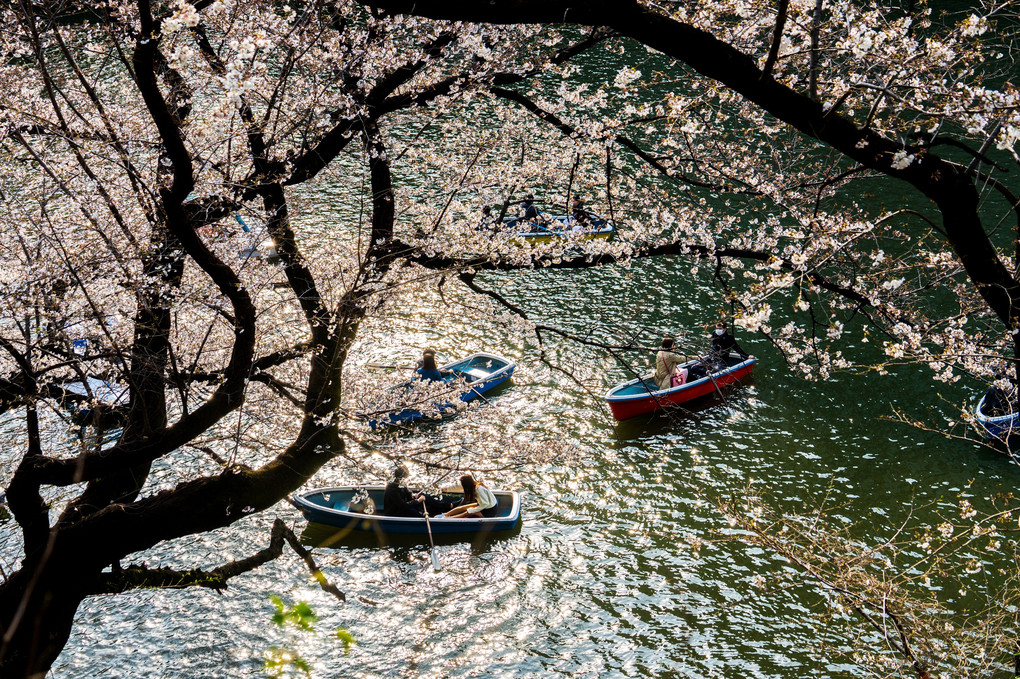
{"type": "Point", "coordinates": [997, 415]}
{"type": "Point", "coordinates": [465, 379]}
{"type": "Point", "coordinates": [704, 376]}
{"type": "Point", "coordinates": [559, 227]}
{"type": "Point", "coordinates": [82, 399]}
{"type": "Point", "coordinates": [333, 507]}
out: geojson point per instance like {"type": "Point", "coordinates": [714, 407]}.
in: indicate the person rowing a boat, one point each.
{"type": "Point", "coordinates": [667, 363]}
{"type": "Point", "coordinates": [398, 500]}
{"type": "Point", "coordinates": [530, 213]}
{"type": "Point", "coordinates": [427, 370]}
{"type": "Point", "coordinates": [478, 501]}
{"type": "Point", "coordinates": [722, 344]}
{"type": "Point", "coordinates": [528, 210]}
{"type": "Point", "coordinates": [581, 217]}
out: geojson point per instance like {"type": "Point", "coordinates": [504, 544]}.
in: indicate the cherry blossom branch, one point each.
{"type": "Point", "coordinates": [816, 22]}
{"type": "Point", "coordinates": [587, 261]}
{"type": "Point", "coordinates": [501, 79]}
{"type": "Point", "coordinates": [389, 83]}
{"type": "Point", "coordinates": [274, 201]}
{"type": "Point", "coordinates": [956, 143]}
{"type": "Point", "coordinates": [569, 131]}
{"type": "Point", "coordinates": [468, 279]}
{"type": "Point", "coordinates": [51, 94]}
{"type": "Point", "coordinates": [953, 191]}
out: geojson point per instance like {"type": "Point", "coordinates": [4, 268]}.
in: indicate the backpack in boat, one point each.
{"type": "Point", "coordinates": [362, 505]}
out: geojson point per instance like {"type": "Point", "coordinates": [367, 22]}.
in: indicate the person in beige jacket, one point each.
{"type": "Point", "coordinates": [666, 363]}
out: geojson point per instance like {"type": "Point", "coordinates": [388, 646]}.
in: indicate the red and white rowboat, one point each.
{"type": "Point", "coordinates": [642, 396]}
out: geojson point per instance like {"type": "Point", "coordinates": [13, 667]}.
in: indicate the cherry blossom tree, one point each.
{"type": "Point", "coordinates": [141, 139]}
{"type": "Point", "coordinates": [147, 148]}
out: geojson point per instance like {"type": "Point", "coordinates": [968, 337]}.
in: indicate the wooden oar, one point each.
{"type": "Point", "coordinates": [386, 366]}
{"type": "Point", "coordinates": [708, 370]}
{"type": "Point", "coordinates": [479, 395]}
{"type": "Point", "coordinates": [428, 527]}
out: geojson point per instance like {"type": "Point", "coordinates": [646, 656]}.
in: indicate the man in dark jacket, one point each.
{"type": "Point", "coordinates": [722, 344]}
{"type": "Point", "coordinates": [400, 501]}
{"type": "Point", "coordinates": [529, 212]}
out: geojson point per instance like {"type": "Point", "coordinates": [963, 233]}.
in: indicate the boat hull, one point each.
{"type": "Point", "coordinates": [997, 427]}
{"type": "Point", "coordinates": [546, 237]}
{"type": "Point", "coordinates": [641, 396]}
{"type": "Point", "coordinates": [561, 227]}
{"type": "Point", "coordinates": [329, 506]}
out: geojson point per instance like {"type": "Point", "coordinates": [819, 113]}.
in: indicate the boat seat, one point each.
{"type": "Point", "coordinates": [475, 374]}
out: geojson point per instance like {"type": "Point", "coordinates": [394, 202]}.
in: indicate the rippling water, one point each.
{"type": "Point", "coordinates": [606, 576]}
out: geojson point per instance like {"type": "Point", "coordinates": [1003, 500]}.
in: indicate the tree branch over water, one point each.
{"type": "Point", "coordinates": [136, 577]}
{"type": "Point", "coordinates": [942, 182]}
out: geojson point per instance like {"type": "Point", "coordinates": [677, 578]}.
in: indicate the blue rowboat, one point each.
{"type": "Point", "coordinates": [332, 507]}
{"type": "Point", "coordinates": [559, 227]}
{"type": "Point", "coordinates": [642, 396]}
{"type": "Point", "coordinates": [468, 378]}
{"type": "Point", "coordinates": [997, 416]}
{"type": "Point", "coordinates": [83, 397]}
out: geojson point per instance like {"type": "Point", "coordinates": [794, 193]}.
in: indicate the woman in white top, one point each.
{"type": "Point", "coordinates": [478, 501]}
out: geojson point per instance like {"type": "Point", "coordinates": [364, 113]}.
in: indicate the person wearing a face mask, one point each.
{"type": "Point", "coordinates": [723, 343]}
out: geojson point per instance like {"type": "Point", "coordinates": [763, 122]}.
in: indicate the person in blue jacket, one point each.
{"type": "Point", "coordinates": [529, 213]}
{"type": "Point", "coordinates": [427, 370]}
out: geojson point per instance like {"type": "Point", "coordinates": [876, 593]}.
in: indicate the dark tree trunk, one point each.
{"type": "Point", "coordinates": [38, 605]}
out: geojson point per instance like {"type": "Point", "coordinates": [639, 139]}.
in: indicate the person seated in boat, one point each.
{"type": "Point", "coordinates": [530, 214]}
{"type": "Point", "coordinates": [398, 500]}
{"type": "Point", "coordinates": [722, 344]}
{"type": "Point", "coordinates": [487, 223]}
{"type": "Point", "coordinates": [1000, 398]}
{"type": "Point", "coordinates": [427, 370]}
{"type": "Point", "coordinates": [666, 365]}
{"type": "Point", "coordinates": [528, 210]}
{"type": "Point", "coordinates": [478, 501]}
{"type": "Point", "coordinates": [582, 220]}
